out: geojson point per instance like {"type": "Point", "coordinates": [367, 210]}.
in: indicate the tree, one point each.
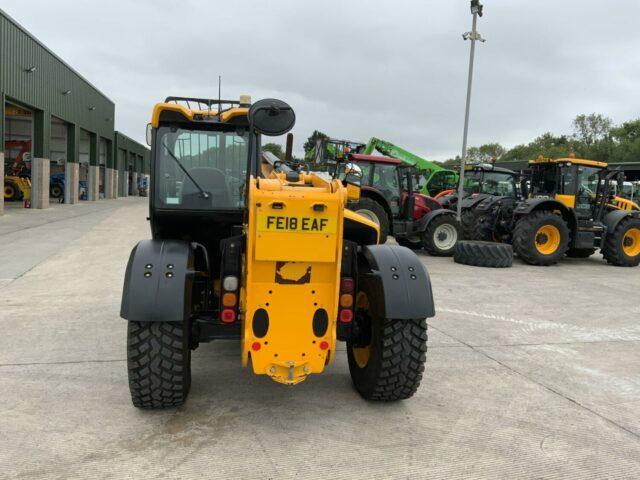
{"type": "Point", "coordinates": [310, 144]}
{"type": "Point", "coordinates": [591, 128]}
{"type": "Point", "coordinates": [547, 145]}
{"type": "Point", "coordinates": [275, 149]}
{"type": "Point", "coordinates": [626, 142]}
{"type": "Point", "coordinates": [485, 153]}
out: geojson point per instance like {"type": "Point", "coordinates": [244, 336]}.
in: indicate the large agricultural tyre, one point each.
{"type": "Point", "coordinates": [387, 361]}
{"type": "Point", "coordinates": [56, 191]}
{"type": "Point", "coordinates": [467, 220]}
{"type": "Point", "coordinates": [413, 242]}
{"type": "Point", "coordinates": [11, 191]}
{"type": "Point", "coordinates": [483, 226]}
{"type": "Point", "coordinates": [483, 254]}
{"type": "Point", "coordinates": [159, 363]}
{"type": "Point", "coordinates": [541, 238]}
{"type": "Point", "coordinates": [441, 235]}
{"type": "Point", "coordinates": [622, 245]}
{"type": "Point", "coordinates": [372, 210]}
{"type": "Point", "coordinates": [580, 252]}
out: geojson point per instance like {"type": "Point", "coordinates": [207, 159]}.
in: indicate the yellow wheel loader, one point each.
{"type": "Point", "coordinates": [273, 260]}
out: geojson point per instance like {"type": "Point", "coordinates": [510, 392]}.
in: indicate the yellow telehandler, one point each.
{"type": "Point", "coordinates": [276, 262]}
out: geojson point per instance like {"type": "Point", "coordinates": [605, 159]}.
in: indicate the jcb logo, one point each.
{"type": "Point", "coordinates": [283, 223]}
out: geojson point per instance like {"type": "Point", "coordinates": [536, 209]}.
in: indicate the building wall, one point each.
{"type": "Point", "coordinates": [70, 119]}
{"type": "Point", "coordinates": [43, 90]}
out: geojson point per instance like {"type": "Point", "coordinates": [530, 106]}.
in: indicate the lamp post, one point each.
{"type": "Point", "coordinates": [473, 35]}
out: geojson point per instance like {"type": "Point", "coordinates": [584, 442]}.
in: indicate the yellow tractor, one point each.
{"type": "Point", "coordinates": [272, 260]}
{"type": "Point", "coordinates": [572, 209]}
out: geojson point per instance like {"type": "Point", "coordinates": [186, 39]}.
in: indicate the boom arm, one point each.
{"type": "Point", "coordinates": [391, 150]}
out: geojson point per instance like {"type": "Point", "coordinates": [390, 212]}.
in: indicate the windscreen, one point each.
{"type": "Point", "coordinates": [200, 169]}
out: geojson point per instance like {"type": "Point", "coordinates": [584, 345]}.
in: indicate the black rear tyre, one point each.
{"type": "Point", "coordinates": [56, 191]}
{"type": "Point", "coordinates": [622, 246]}
{"type": "Point", "coordinates": [541, 238]}
{"type": "Point", "coordinates": [159, 363]}
{"type": "Point", "coordinates": [372, 210]}
{"type": "Point", "coordinates": [389, 364]}
{"type": "Point", "coordinates": [483, 254]}
{"type": "Point", "coordinates": [482, 229]}
{"type": "Point", "coordinates": [441, 235]}
{"type": "Point", "coordinates": [414, 243]}
{"type": "Point", "coordinates": [467, 218]}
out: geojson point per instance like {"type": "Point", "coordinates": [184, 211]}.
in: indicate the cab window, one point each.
{"type": "Point", "coordinates": [385, 179]}
{"type": "Point", "coordinates": [200, 169]}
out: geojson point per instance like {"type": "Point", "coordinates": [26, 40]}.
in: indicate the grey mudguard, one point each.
{"type": "Point", "coordinates": [402, 281]}
{"type": "Point", "coordinates": [613, 218]}
{"type": "Point", "coordinates": [158, 281]}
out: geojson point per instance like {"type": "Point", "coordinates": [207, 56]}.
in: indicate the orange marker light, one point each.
{"type": "Point", "coordinates": [229, 299]}
{"type": "Point", "coordinates": [346, 300]}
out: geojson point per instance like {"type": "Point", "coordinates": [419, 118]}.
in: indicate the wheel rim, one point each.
{"type": "Point", "coordinates": [362, 354]}
{"type": "Point", "coordinates": [445, 236]}
{"type": "Point", "coordinates": [631, 242]}
{"type": "Point", "coordinates": [369, 215]}
{"type": "Point", "coordinates": [547, 239]}
{"type": "Point", "coordinates": [8, 192]}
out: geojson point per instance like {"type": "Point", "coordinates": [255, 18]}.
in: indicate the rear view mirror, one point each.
{"type": "Point", "coordinates": [149, 133]}
{"type": "Point", "coordinates": [271, 117]}
{"type": "Point", "coordinates": [352, 174]}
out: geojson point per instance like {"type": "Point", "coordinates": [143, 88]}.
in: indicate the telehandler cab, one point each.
{"type": "Point", "coordinates": [278, 264]}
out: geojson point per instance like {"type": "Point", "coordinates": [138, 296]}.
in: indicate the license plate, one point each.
{"type": "Point", "coordinates": [296, 224]}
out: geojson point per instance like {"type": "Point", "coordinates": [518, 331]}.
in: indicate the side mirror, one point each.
{"type": "Point", "coordinates": [271, 117]}
{"type": "Point", "coordinates": [352, 174]}
{"type": "Point", "coordinates": [149, 133]}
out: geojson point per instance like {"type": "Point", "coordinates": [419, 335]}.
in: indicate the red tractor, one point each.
{"type": "Point", "coordinates": [389, 197]}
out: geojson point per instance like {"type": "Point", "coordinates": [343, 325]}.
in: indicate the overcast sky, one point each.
{"type": "Point", "coordinates": [355, 69]}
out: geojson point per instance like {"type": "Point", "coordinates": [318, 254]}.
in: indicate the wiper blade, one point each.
{"type": "Point", "coordinates": [202, 192]}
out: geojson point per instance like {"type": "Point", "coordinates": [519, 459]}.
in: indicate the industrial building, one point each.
{"type": "Point", "coordinates": [57, 130]}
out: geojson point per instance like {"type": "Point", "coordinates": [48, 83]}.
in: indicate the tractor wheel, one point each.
{"type": "Point", "coordinates": [11, 191]}
{"type": "Point", "coordinates": [441, 236]}
{"type": "Point", "coordinates": [467, 219]}
{"type": "Point", "coordinates": [580, 252]}
{"type": "Point", "coordinates": [159, 363]}
{"type": "Point", "coordinates": [541, 238]}
{"type": "Point", "coordinates": [413, 242]}
{"type": "Point", "coordinates": [482, 229]}
{"type": "Point", "coordinates": [387, 361]}
{"type": "Point", "coordinates": [483, 254]}
{"type": "Point", "coordinates": [56, 191]}
{"type": "Point", "coordinates": [372, 210]}
{"type": "Point", "coordinates": [622, 246]}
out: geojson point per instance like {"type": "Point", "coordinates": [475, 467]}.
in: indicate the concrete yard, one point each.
{"type": "Point", "coordinates": [531, 373]}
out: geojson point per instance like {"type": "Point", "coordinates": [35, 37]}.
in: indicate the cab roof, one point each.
{"type": "Point", "coordinates": [375, 159]}
{"type": "Point", "coordinates": [198, 110]}
{"type": "Point", "coordinates": [488, 167]}
{"type": "Point", "coordinates": [577, 161]}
